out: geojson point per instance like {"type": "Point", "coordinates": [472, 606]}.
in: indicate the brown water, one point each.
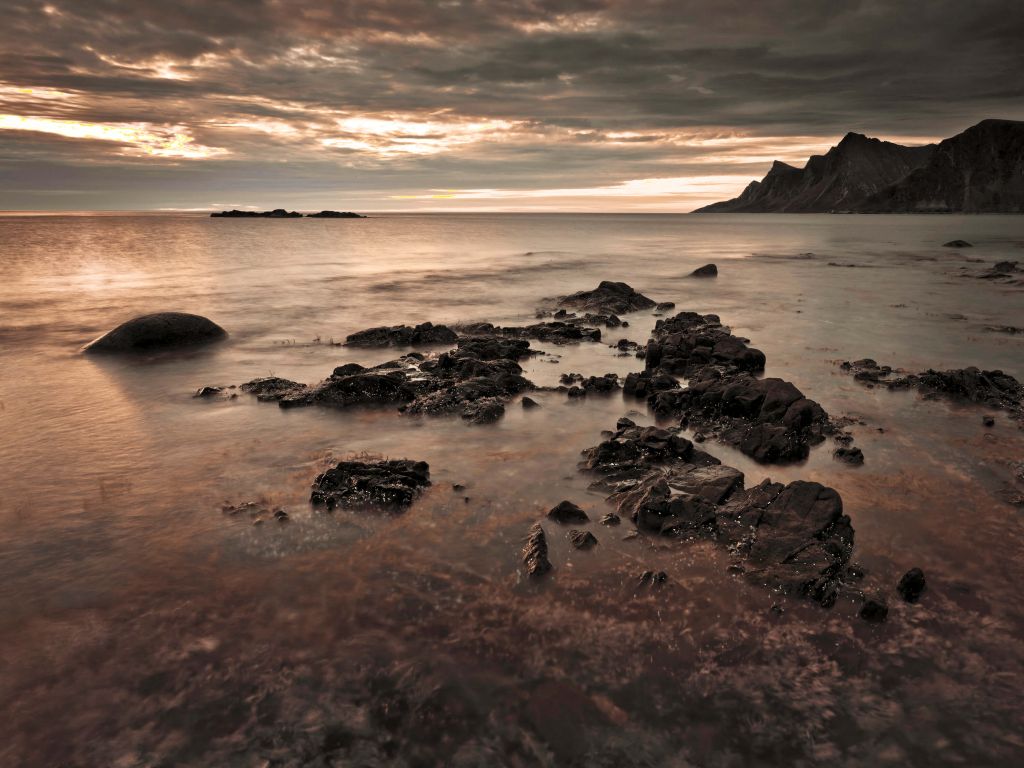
{"type": "Point", "coordinates": [141, 626]}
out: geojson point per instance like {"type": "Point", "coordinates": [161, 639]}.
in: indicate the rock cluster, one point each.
{"type": "Point", "coordinates": [475, 380]}
{"type": "Point", "coordinates": [387, 483]}
{"type": "Point", "coordinates": [992, 389]}
{"type": "Point", "coordinates": [768, 419]}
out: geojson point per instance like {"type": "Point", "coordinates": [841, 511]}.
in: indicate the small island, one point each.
{"type": "Point", "coordinates": [281, 213]}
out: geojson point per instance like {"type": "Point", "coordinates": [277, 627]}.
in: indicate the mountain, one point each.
{"type": "Point", "coordinates": [979, 170]}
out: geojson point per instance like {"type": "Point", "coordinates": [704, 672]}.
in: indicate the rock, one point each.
{"type": "Point", "coordinates": [582, 539]}
{"type": "Point", "coordinates": [708, 270]}
{"type": "Point", "coordinates": [208, 392]}
{"type": "Point", "coordinates": [874, 611]}
{"type": "Point", "coordinates": [611, 518]}
{"type": "Point", "coordinates": [277, 213]}
{"type": "Point", "coordinates": [535, 552]}
{"type": "Point", "coordinates": [957, 244]}
{"type": "Point", "coordinates": [387, 483]}
{"type": "Point", "coordinates": [402, 336]}
{"type": "Point", "coordinates": [334, 215]}
{"type": "Point", "coordinates": [616, 298]}
{"type": "Point", "coordinates": [158, 331]}
{"type": "Point", "coordinates": [273, 388]}
{"type": "Point", "coordinates": [849, 455]}
{"type": "Point", "coordinates": [911, 585]}
{"type": "Point", "coordinates": [529, 402]}
{"type": "Point", "coordinates": [988, 421]}
{"type": "Point", "coordinates": [567, 512]}
{"type": "Point", "coordinates": [281, 516]}
{"type": "Point", "coordinates": [665, 306]}
{"type": "Point", "coordinates": [486, 410]}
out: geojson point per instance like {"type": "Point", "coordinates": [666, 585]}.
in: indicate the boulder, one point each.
{"type": "Point", "coordinates": [957, 244]}
{"type": "Point", "coordinates": [708, 270]}
{"type": "Point", "coordinates": [582, 539]}
{"type": "Point", "coordinates": [567, 512]}
{"type": "Point", "coordinates": [609, 297]}
{"type": "Point", "coordinates": [535, 552]}
{"type": "Point", "coordinates": [911, 585]}
{"type": "Point", "coordinates": [161, 330]}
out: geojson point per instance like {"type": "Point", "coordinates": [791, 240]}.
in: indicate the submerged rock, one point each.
{"type": "Point", "coordinates": [402, 336]}
{"type": "Point", "coordinates": [616, 298]}
{"type": "Point", "coordinates": [911, 585]}
{"type": "Point", "coordinates": [849, 455]}
{"type": "Point", "coordinates": [529, 403]}
{"type": "Point", "coordinates": [387, 483]}
{"type": "Point", "coordinates": [160, 330]}
{"type": "Point", "coordinates": [957, 244]}
{"type": "Point", "coordinates": [708, 270]}
{"type": "Point", "coordinates": [535, 552]}
{"type": "Point", "coordinates": [874, 611]}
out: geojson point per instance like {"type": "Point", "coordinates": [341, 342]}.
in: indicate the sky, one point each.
{"type": "Point", "coordinates": [462, 105]}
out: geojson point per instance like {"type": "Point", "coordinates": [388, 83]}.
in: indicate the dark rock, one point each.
{"type": "Point", "coordinates": [277, 213]}
{"type": "Point", "coordinates": [708, 270]}
{"type": "Point", "coordinates": [567, 512]}
{"type": "Point", "coordinates": [611, 297]}
{"type": "Point", "coordinates": [403, 336]}
{"type": "Point", "coordinates": [652, 579]}
{"type": "Point", "coordinates": [988, 421]}
{"type": "Point", "coordinates": [529, 402]}
{"type": "Point", "coordinates": [911, 585]}
{"type": "Point", "coordinates": [611, 519]}
{"type": "Point", "coordinates": [957, 244]}
{"type": "Point", "coordinates": [486, 410]}
{"type": "Point", "coordinates": [158, 331]}
{"type": "Point", "coordinates": [874, 611]}
{"type": "Point", "coordinates": [582, 539]}
{"type": "Point", "coordinates": [665, 306]}
{"type": "Point", "coordinates": [535, 552]}
{"type": "Point", "coordinates": [208, 391]}
{"type": "Point", "coordinates": [334, 215]}
{"type": "Point", "coordinates": [387, 483]}
{"type": "Point", "coordinates": [273, 388]}
{"type": "Point", "coordinates": [849, 455]}
{"type": "Point", "coordinates": [281, 516]}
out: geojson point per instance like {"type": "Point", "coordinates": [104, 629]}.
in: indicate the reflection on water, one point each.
{"type": "Point", "coordinates": [142, 626]}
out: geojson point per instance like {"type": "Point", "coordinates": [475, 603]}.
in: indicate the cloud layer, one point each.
{"type": "Point", "coordinates": [455, 104]}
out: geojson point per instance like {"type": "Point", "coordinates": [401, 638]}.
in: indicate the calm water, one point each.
{"type": "Point", "coordinates": [141, 626]}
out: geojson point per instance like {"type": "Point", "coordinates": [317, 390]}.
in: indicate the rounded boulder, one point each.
{"type": "Point", "coordinates": [158, 331]}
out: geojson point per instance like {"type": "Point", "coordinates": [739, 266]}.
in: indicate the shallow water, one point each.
{"type": "Point", "coordinates": [142, 626]}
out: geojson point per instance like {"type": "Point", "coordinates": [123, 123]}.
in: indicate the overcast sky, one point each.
{"type": "Point", "coordinates": [457, 105]}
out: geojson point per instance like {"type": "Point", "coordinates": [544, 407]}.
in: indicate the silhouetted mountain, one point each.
{"type": "Point", "coordinates": [981, 169]}
{"type": "Point", "coordinates": [978, 171]}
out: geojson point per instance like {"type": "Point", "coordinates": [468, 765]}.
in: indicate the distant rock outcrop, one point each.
{"type": "Point", "coordinates": [334, 215]}
{"type": "Point", "coordinates": [277, 213]}
{"type": "Point", "coordinates": [979, 170]}
{"type": "Point", "coordinates": [158, 331]}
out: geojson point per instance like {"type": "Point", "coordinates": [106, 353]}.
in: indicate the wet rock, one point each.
{"type": "Point", "coordinates": [657, 505]}
{"type": "Point", "coordinates": [386, 483]}
{"type": "Point", "coordinates": [612, 297]}
{"type": "Point", "coordinates": [281, 516]}
{"type": "Point", "coordinates": [849, 455]}
{"type": "Point", "coordinates": [993, 389]}
{"type": "Point", "coordinates": [988, 421]}
{"type": "Point", "coordinates": [708, 270]}
{"type": "Point", "coordinates": [874, 611]}
{"type": "Point", "coordinates": [402, 336]}
{"type": "Point", "coordinates": [611, 518]}
{"type": "Point", "coordinates": [529, 402]}
{"type": "Point", "coordinates": [665, 306]}
{"type": "Point", "coordinates": [911, 585]}
{"type": "Point", "coordinates": [273, 388]}
{"type": "Point", "coordinates": [208, 391]}
{"type": "Point", "coordinates": [957, 244]}
{"type": "Point", "coordinates": [582, 539]}
{"type": "Point", "coordinates": [486, 410]}
{"type": "Point", "coordinates": [631, 452]}
{"type": "Point", "coordinates": [575, 392]}
{"type": "Point", "coordinates": [600, 384]}
{"type": "Point", "coordinates": [161, 330]}
{"type": "Point", "coordinates": [535, 552]}
{"type": "Point", "coordinates": [567, 512]}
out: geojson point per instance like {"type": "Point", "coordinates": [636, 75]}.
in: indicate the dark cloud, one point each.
{"type": "Point", "coordinates": [377, 96]}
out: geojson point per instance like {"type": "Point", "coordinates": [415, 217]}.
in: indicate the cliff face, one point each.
{"type": "Point", "coordinates": [981, 169]}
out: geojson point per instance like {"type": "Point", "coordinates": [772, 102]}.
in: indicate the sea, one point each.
{"type": "Point", "coordinates": [141, 625]}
